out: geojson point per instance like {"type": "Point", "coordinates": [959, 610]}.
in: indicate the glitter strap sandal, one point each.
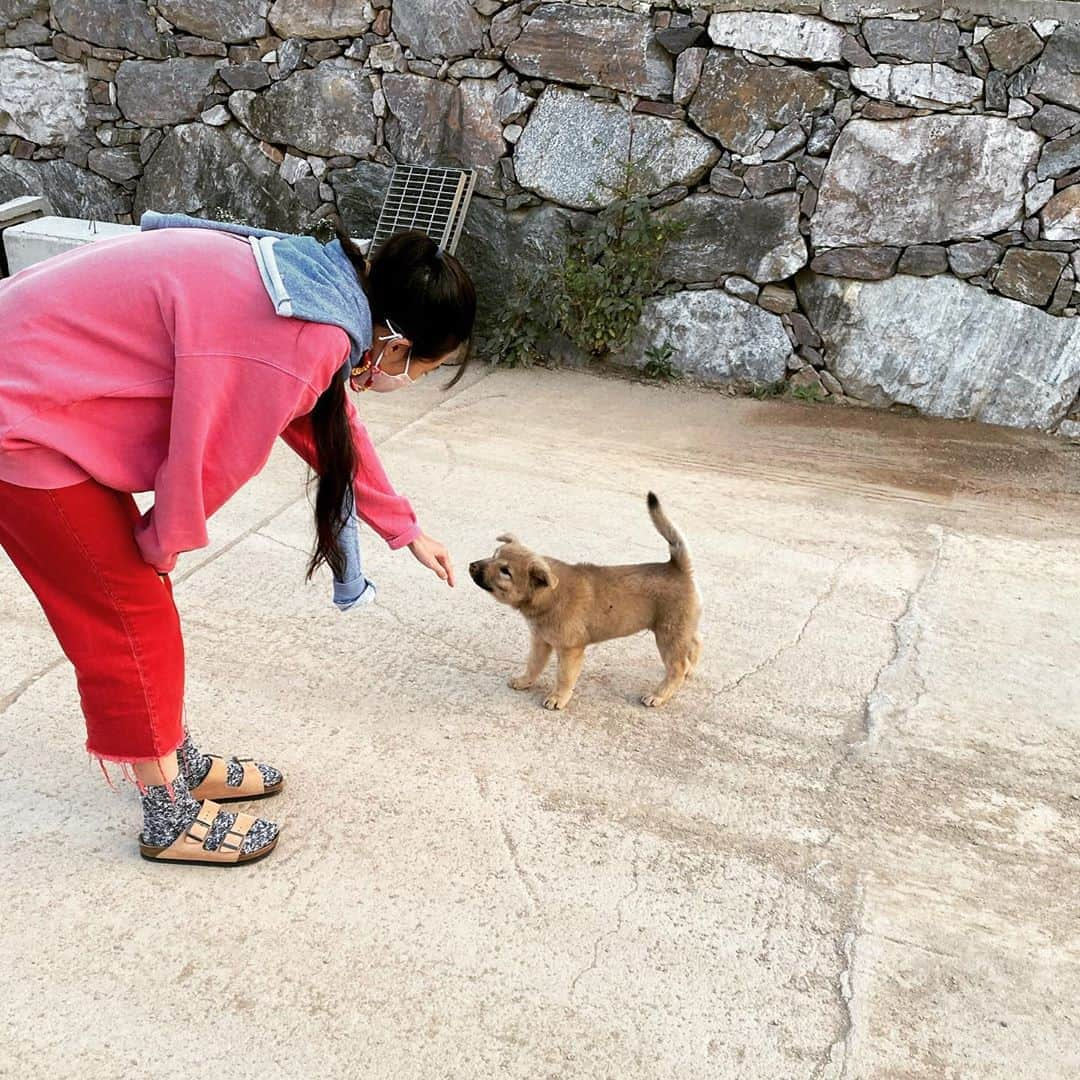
{"type": "Point", "coordinates": [188, 846]}
{"type": "Point", "coordinates": [214, 784]}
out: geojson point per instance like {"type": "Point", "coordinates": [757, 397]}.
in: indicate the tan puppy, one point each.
{"type": "Point", "coordinates": [571, 606]}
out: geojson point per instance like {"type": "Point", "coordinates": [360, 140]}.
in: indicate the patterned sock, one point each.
{"type": "Point", "coordinates": [195, 765]}
{"type": "Point", "coordinates": [165, 818]}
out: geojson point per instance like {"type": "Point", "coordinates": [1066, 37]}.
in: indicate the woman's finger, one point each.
{"type": "Point", "coordinates": [448, 566]}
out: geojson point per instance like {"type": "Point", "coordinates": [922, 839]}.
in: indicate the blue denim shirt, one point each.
{"type": "Point", "coordinates": [315, 282]}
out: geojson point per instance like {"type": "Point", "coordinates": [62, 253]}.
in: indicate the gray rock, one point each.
{"type": "Point", "coordinates": [688, 74]}
{"type": "Point", "coordinates": [777, 299]}
{"type": "Point", "coordinates": [27, 33]}
{"type": "Point", "coordinates": [1053, 120]}
{"type": "Point", "coordinates": [44, 102]}
{"type": "Point", "coordinates": [852, 53]}
{"type": "Point", "coordinates": [935, 40]}
{"type": "Point", "coordinates": [756, 238]}
{"type": "Point", "coordinates": [116, 163]}
{"type": "Point", "coordinates": [923, 260]}
{"type": "Point", "coordinates": [996, 96]}
{"type": "Point", "coordinates": [73, 192]}
{"type": "Point", "coordinates": [511, 104]}
{"type": "Point", "coordinates": [787, 141]}
{"type": "Point", "coordinates": [449, 28]}
{"type": "Point", "coordinates": [248, 76]}
{"type": "Point", "coordinates": [417, 131]}
{"type": "Point", "coordinates": [185, 174]}
{"type": "Point", "coordinates": [725, 182]}
{"type": "Point", "coordinates": [1061, 215]}
{"type": "Point", "coordinates": [863, 263]}
{"type": "Point", "coordinates": [220, 20]}
{"type": "Point", "coordinates": [325, 110]}
{"type": "Point", "coordinates": [677, 39]}
{"type": "Point", "coordinates": [926, 179]}
{"type": "Point", "coordinates": [290, 54]}
{"type": "Point", "coordinates": [502, 248]}
{"type": "Point", "coordinates": [1059, 156]}
{"type": "Point", "coordinates": [824, 135]}
{"type": "Point", "coordinates": [716, 337]}
{"type": "Point", "coordinates": [218, 116]}
{"type": "Point", "coordinates": [920, 86]}
{"type": "Point", "coordinates": [1058, 77]}
{"type": "Point", "coordinates": [1038, 196]}
{"type": "Point", "coordinates": [742, 287]}
{"type": "Point", "coordinates": [795, 37]}
{"type": "Point", "coordinates": [506, 26]}
{"type": "Point", "coordinates": [11, 11]}
{"type": "Point", "coordinates": [197, 46]}
{"type": "Point", "coordinates": [471, 68]}
{"type": "Point", "coordinates": [1009, 48]}
{"type": "Point", "coordinates": [360, 192]}
{"type": "Point", "coordinates": [737, 102]}
{"type": "Point", "coordinates": [946, 348]}
{"type": "Point", "coordinates": [320, 19]}
{"type": "Point", "coordinates": [158, 94]}
{"type": "Point", "coordinates": [593, 46]}
{"type": "Point", "coordinates": [574, 148]}
{"type": "Point", "coordinates": [763, 180]}
{"type": "Point", "coordinates": [970, 260]}
{"type": "Point", "coordinates": [1030, 276]}
{"type": "Point", "coordinates": [115, 24]}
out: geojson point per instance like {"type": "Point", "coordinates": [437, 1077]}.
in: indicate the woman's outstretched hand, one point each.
{"type": "Point", "coordinates": [434, 556]}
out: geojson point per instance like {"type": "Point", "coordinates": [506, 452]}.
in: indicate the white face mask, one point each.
{"type": "Point", "coordinates": [381, 382]}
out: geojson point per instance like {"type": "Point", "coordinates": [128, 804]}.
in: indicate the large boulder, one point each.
{"type": "Point", "coordinates": [432, 121]}
{"type": "Point", "coordinates": [44, 102]}
{"type": "Point", "coordinates": [73, 192]}
{"type": "Point", "coordinates": [218, 20]}
{"type": "Point", "coordinates": [923, 180]}
{"type": "Point", "coordinates": [359, 193]}
{"type": "Point", "coordinates": [1058, 77]}
{"type": "Point", "coordinates": [218, 173]}
{"type": "Point", "coordinates": [945, 347]}
{"type": "Point", "coordinates": [156, 94]}
{"type": "Point", "coordinates": [796, 37]}
{"type": "Point", "coordinates": [715, 337]}
{"type": "Point", "coordinates": [737, 102]}
{"type": "Point", "coordinates": [933, 40]}
{"type": "Point", "coordinates": [1061, 215]}
{"type": "Point", "coordinates": [431, 28]}
{"type": "Point", "coordinates": [574, 149]}
{"type": "Point", "coordinates": [593, 46]}
{"type": "Point", "coordinates": [321, 19]}
{"type": "Point", "coordinates": [756, 238]}
{"type": "Point", "coordinates": [114, 24]}
{"type": "Point", "coordinates": [324, 110]}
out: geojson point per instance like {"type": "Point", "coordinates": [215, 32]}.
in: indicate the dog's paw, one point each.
{"type": "Point", "coordinates": [651, 701]}
{"type": "Point", "coordinates": [553, 701]}
{"type": "Point", "coordinates": [519, 682]}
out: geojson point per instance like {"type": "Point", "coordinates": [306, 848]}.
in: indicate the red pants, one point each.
{"type": "Point", "coordinates": [112, 614]}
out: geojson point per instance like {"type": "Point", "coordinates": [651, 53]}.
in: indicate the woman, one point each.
{"type": "Point", "coordinates": [171, 360]}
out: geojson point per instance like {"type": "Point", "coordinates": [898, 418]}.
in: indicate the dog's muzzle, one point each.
{"type": "Point", "coordinates": [476, 572]}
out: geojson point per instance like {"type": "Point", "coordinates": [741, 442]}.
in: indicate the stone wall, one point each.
{"type": "Point", "coordinates": [881, 198]}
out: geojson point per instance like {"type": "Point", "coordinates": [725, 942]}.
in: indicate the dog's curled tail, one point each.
{"type": "Point", "coordinates": [680, 553]}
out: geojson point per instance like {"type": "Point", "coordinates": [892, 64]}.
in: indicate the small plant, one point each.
{"type": "Point", "coordinates": [594, 297]}
{"type": "Point", "coordinates": [658, 363]}
{"type": "Point", "coordinates": [764, 391]}
{"type": "Point", "coordinates": [809, 393]}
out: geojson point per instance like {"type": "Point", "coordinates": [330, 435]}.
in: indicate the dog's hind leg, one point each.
{"type": "Point", "coordinates": [679, 656]}
{"type": "Point", "coordinates": [570, 661]}
{"type": "Point", "coordinates": [695, 653]}
{"type": "Point", "coordinates": [539, 654]}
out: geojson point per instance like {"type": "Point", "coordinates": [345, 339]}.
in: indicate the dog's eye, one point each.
{"type": "Point", "coordinates": [505, 570]}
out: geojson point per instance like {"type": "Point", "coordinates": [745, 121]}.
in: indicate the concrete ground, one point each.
{"type": "Point", "coordinates": [849, 848]}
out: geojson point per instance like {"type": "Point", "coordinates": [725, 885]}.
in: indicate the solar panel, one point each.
{"type": "Point", "coordinates": [430, 199]}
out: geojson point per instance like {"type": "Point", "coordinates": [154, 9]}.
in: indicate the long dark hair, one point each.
{"type": "Point", "coordinates": [428, 296]}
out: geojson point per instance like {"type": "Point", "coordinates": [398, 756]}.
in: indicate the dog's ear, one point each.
{"type": "Point", "coordinates": [541, 575]}
{"type": "Point", "coordinates": [507, 538]}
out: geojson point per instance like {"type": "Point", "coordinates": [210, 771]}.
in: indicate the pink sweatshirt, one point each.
{"type": "Point", "coordinates": [156, 362]}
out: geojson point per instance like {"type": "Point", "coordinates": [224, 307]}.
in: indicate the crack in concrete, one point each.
{"type": "Point", "coordinates": [883, 700]}
{"type": "Point", "coordinates": [823, 599]}
{"type": "Point", "coordinates": [511, 847]}
{"type": "Point", "coordinates": [10, 699]}
{"type": "Point", "coordinates": [413, 629]}
{"type": "Point", "coordinates": [839, 1053]}
{"type": "Point", "coordinates": [608, 933]}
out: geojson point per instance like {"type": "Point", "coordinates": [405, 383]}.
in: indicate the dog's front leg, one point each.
{"type": "Point", "coordinates": [539, 654]}
{"type": "Point", "coordinates": [570, 661]}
